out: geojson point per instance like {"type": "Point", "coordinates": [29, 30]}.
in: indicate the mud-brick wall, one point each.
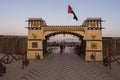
{"type": "Point", "coordinates": [13, 44]}
{"type": "Point", "coordinates": [111, 45]}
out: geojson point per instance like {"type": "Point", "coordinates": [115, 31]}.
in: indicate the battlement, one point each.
{"type": "Point", "coordinates": [36, 19]}
{"type": "Point", "coordinates": [89, 19]}
{"type": "Point", "coordinates": [93, 22]}
{"type": "Point", "coordinates": [36, 22]}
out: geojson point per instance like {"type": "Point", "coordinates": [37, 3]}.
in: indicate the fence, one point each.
{"type": "Point", "coordinates": [111, 45]}
{"type": "Point", "coordinates": [15, 44]}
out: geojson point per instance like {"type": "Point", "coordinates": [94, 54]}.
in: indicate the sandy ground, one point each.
{"type": "Point", "coordinates": [15, 71]}
{"type": "Point", "coordinates": [113, 72]}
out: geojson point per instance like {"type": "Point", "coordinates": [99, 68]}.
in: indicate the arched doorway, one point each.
{"type": "Point", "coordinates": [82, 42]}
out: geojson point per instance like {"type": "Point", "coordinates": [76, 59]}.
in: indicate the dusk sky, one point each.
{"type": "Point", "coordinates": [13, 14]}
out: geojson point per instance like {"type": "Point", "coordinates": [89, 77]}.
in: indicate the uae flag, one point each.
{"type": "Point", "coordinates": [70, 10]}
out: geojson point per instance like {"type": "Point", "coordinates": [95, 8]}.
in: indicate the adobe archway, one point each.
{"type": "Point", "coordinates": [90, 30]}
{"type": "Point", "coordinates": [83, 42]}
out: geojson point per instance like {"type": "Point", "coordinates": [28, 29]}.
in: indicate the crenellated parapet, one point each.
{"type": "Point", "coordinates": [36, 22]}
{"type": "Point", "coordinates": [93, 23]}
{"type": "Point", "coordinates": [64, 28]}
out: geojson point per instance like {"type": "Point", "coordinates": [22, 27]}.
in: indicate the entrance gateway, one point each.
{"type": "Point", "coordinates": [90, 32]}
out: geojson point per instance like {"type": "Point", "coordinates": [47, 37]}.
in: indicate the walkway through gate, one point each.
{"type": "Point", "coordinates": [90, 32]}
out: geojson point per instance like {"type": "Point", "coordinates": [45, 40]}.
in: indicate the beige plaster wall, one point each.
{"type": "Point", "coordinates": [98, 56]}
{"type": "Point", "coordinates": [96, 33]}
{"type": "Point", "coordinates": [98, 45]}
{"type": "Point", "coordinates": [35, 36]}
{"type": "Point", "coordinates": [37, 33]}
{"type": "Point", "coordinates": [94, 37]}
{"type": "Point", "coordinates": [33, 54]}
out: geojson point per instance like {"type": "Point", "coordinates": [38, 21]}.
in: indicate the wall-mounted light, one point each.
{"type": "Point", "coordinates": [34, 36]}
{"type": "Point", "coordinates": [93, 36]}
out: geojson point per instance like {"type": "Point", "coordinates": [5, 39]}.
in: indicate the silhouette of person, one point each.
{"type": "Point", "coordinates": [61, 48]}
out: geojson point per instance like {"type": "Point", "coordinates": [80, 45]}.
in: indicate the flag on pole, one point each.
{"type": "Point", "coordinates": [70, 10]}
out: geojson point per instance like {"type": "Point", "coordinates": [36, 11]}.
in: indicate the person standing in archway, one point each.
{"type": "Point", "coordinates": [61, 48]}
